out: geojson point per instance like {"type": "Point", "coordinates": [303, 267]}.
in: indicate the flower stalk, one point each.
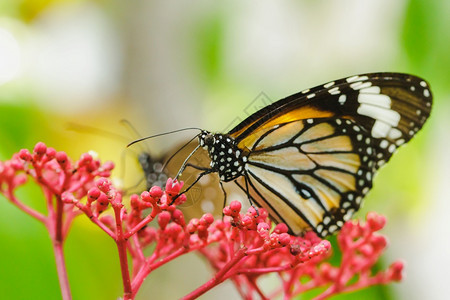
{"type": "Point", "coordinates": [242, 247]}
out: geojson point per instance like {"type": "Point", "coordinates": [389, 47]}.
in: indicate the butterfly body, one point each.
{"type": "Point", "coordinates": [310, 158]}
{"type": "Point", "coordinates": [226, 158]}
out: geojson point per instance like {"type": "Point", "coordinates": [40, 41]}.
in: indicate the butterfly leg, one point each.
{"type": "Point", "coordinates": [206, 171]}
{"type": "Point", "coordinates": [224, 196]}
{"type": "Point", "coordinates": [246, 179]}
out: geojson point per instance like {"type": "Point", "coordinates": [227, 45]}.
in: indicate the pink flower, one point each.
{"type": "Point", "coordinates": [242, 246]}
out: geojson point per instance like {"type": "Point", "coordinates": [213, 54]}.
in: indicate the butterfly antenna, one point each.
{"type": "Point", "coordinates": [161, 134]}
{"type": "Point", "coordinates": [178, 151]}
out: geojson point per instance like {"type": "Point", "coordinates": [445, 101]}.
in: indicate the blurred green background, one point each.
{"type": "Point", "coordinates": [165, 65]}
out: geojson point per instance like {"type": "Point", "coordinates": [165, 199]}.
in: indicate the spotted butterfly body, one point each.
{"type": "Point", "coordinates": [310, 158]}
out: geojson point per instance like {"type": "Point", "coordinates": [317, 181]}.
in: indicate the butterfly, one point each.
{"type": "Point", "coordinates": [310, 158]}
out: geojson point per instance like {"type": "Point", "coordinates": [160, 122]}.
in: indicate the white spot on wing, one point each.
{"type": "Point", "coordinates": [371, 90]}
{"type": "Point", "coordinates": [375, 99]}
{"type": "Point", "coordinates": [329, 84]}
{"type": "Point", "coordinates": [360, 85]}
{"type": "Point", "coordinates": [384, 144]}
{"type": "Point", "coordinates": [380, 129]}
{"type": "Point", "coordinates": [342, 99]}
{"type": "Point", "coordinates": [394, 133]}
{"type": "Point", "coordinates": [356, 78]}
{"type": "Point", "coordinates": [388, 116]}
{"type": "Point", "coordinates": [334, 91]}
{"type": "Point", "coordinates": [311, 96]}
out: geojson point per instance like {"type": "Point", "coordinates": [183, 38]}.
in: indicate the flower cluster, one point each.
{"type": "Point", "coordinates": [241, 246]}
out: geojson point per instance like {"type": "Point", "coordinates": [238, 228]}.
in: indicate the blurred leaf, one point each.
{"type": "Point", "coordinates": [426, 40]}
{"type": "Point", "coordinates": [209, 36]}
{"type": "Point", "coordinates": [18, 126]}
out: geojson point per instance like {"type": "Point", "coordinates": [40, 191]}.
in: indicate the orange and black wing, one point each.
{"type": "Point", "coordinates": [313, 155]}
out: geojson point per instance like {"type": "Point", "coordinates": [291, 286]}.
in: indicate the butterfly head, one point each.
{"type": "Point", "coordinates": [226, 158]}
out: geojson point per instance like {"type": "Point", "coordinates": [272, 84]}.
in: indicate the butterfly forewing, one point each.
{"type": "Point", "coordinates": [391, 106]}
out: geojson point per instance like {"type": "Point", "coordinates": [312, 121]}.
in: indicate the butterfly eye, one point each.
{"type": "Point", "coordinates": [209, 139]}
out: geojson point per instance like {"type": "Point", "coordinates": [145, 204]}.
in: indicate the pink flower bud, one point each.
{"type": "Point", "coordinates": [164, 219]}
{"type": "Point", "coordinates": [192, 226]}
{"type": "Point", "coordinates": [263, 227]}
{"type": "Point", "coordinates": [40, 149]}
{"type": "Point", "coordinates": [248, 222]}
{"type": "Point", "coordinates": [235, 207]}
{"type": "Point", "coordinates": [134, 201]}
{"type": "Point", "coordinates": [93, 194]}
{"type": "Point", "coordinates": [375, 221]}
{"type": "Point", "coordinates": [102, 200]}
{"type": "Point", "coordinates": [379, 242]}
{"type": "Point", "coordinates": [207, 219]}
{"type": "Point", "coordinates": [61, 158]}
{"type": "Point", "coordinates": [284, 239]}
{"type": "Point", "coordinates": [103, 184]}
{"type": "Point", "coordinates": [25, 155]}
{"type": "Point", "coordinates": [108, 165]}
{"type": "Point", "coordinates": [281, 228]}
{"type": "Point", "coordinates": [178, 217]}
{"type": "Point", "coordinates": [227, 211]}
{"type": "Point", "coordinates": [51, 153]}
{"type": "Point", "coordinates": [395, 271]}
{"type": "Point", "coordinates": [156, 192]}
{"type": "Point", "coordinates": [67, 197]}
{"type": "Point", "coordinates": [145, 196]}
{"type": "Point", "coordinates": [366, 250]}
{"type": "Point", "coordinates": [85, 159]}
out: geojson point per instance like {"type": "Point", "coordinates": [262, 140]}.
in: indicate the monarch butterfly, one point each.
{"type": "Point", "coordinates": [310, 158]}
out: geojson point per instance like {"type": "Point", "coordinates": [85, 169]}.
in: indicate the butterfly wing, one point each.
{"type": "Point", "coordinates": [392, 107]}
{"type": "Point", "coordinates": [312, 156]}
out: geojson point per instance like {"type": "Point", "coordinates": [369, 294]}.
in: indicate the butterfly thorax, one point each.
{"type": "Point", "coordinates": [226, 158]}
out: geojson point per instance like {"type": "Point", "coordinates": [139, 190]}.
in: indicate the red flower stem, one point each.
{"type": "Point", "coordinates": [55, 229]}
{"type": "Point", "coordinates": [29, 211]}
{"type": "Point", "coordinates": [121, 243]}
{"type": "Point", "coordinates": [137, 250]}
{"type": "Point", "coordinates": [61, 269]}
{"type": "Point", "coordinates": [264, 270]}
{"type": "Point", "coordinates": [218, 277]}
{"type": "Point", "coordinates": [144, 222]}
{"type": "Point", "coordinates": [366, 283]}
